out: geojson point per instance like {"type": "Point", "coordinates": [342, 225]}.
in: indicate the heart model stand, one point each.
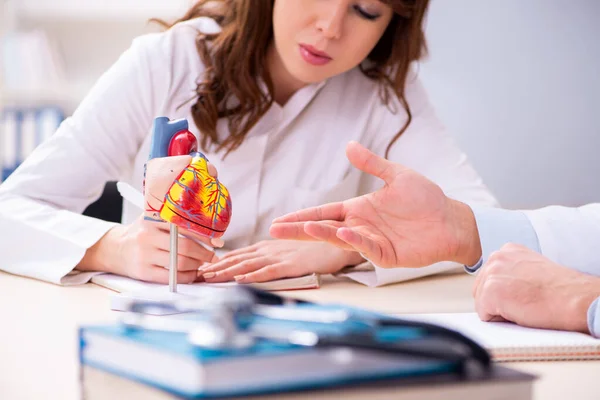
{"type": "Point", "coordinates": [174, 251]}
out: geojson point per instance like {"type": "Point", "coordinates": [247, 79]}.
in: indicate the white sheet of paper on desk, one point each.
{"type": "Point", "coordinates": [123, 284]}
{"type": "Point", "coordinates": [130, 290]}
{"type": "Point", "coordinates": [511, 342]}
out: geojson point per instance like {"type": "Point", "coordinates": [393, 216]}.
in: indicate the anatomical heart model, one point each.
{"type": "Point", "coordinates": [177, 185]}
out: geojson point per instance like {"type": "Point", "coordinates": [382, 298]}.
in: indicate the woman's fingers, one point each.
{"type": "Point", "coordinates": [212, 170]}
{"type": "Point", "coordinates": [241, 268]}
{"type": "Point", "coordinates": [240, 252]}
{"type": "Point", "coordinates": [162, 258]}
{"type": "Point", "coordinates": [159, 274]}
{"type": "Point", "coordinates": [190, 249]}
{"type": "Point", "coordinates": [227, 262]}
{"type": "Point", "coordinates": [265, 274]}
{"type": "Point", "coordinates": [189, 244]}
{"type": "Point", "coordinates": [211, 242]}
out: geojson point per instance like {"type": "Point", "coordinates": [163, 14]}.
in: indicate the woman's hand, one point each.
{"type": "Point", "coordinates": [141, 251]}
{"type": "Point", "coordinates": [275, 259]}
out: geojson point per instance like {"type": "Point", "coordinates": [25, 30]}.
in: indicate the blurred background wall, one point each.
{"type": "Point", "coordinates": [516, 82]}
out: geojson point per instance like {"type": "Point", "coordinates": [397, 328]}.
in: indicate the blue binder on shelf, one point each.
{"type": "Point", "coordinates": [279, 348]}
{"type": "Point", "coordinates": [21, 131]}
{"type": "Point", "coordinates": [48, 119]}
{"type": "Point", "coordinates": [10, 136]}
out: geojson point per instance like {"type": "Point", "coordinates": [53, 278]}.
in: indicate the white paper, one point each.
{"type": "Point", "coordinates": [502, 335]}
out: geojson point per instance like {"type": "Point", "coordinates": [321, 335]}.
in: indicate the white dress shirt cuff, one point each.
{"type": "Point", "coordinates": [498, 227]}
{"type": "Point", "coordinates": [593, 318]}
{"type": "Point", "coordinates": [371, 275]}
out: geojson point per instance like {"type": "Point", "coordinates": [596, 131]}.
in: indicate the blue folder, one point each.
{"type": "Point", "coordinates": [12, 147]}
{"type": "Point", "coordinates": [10, 131]}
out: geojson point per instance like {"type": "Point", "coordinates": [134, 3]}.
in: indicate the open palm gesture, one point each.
{"type": "Point", "coordinates": [407, 223]}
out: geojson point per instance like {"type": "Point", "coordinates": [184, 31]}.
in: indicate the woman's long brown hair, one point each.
{"type": "Point", "coordinates": [235, 64]}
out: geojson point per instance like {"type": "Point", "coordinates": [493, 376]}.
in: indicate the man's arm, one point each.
{"type": "Point", "coordinates": [569, 236]}
{"type": "Point", "coordinates": [497, 227]}
{"type": "Point", "coordinates": [566, 236]}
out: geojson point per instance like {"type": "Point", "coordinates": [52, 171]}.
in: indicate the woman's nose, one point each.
{"type": "Point", "coordinates": [331, 19]}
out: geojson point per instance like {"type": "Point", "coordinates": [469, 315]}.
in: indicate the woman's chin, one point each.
{"type": "Point", "coordinates": [309, 76]}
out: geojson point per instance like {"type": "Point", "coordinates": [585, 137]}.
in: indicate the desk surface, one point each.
{"type": "Point", "coordinates": [38, 346]}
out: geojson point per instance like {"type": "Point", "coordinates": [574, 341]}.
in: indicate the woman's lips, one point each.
{"type": "Point", "coordinates": [314, 56]}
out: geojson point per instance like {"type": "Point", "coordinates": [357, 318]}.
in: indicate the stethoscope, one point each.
{"type": "Point", "coordinates": [222, 325]}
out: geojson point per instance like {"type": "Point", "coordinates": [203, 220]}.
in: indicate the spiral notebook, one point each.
{"type": "Point", "coordinates": [510, 342]}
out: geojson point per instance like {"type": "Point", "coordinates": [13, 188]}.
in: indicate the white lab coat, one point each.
{"type": "Point", "coordinates": [569, 236]}
{"type": "Point", "coordinates": [293, 158]}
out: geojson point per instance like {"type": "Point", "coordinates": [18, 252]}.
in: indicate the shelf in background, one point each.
{"type": "Point", "coordinates": [66, 97]}
{"type": "Point", "coordinates": [96, 10]}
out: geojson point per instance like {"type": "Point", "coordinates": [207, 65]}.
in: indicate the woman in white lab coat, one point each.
{"type": "Point", "coordinates": [273, 90]}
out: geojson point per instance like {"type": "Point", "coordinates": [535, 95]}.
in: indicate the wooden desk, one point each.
{"type": "Point", "coordinates": [38, 331]}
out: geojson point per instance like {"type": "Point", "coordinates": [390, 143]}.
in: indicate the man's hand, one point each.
{"type": "Point", "coordinates": [407, 223]}
{"type": "Point", "coordinates": [519, 285]}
